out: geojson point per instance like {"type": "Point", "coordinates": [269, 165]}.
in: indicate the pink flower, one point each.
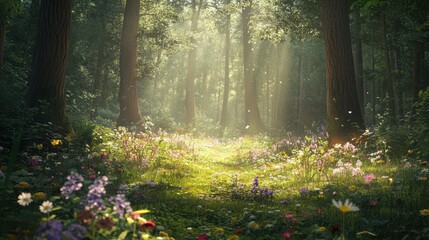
{"type": "Point", "coordinates": [288, 216]}
{"type": "Point", "coordinates": [369, 177]}
{"type": "Point", "coordinates": [202, 237]}
{"type": "Point", "coordinates": [92, 176]}
{"type": "Point", "coordinates": [287, 235]}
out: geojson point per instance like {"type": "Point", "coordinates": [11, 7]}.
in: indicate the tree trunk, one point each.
{"type": "Point", "coordinates": [46, 83]}
{"type": "Point", "coordinates": [388, 80]}
{"type": "Point", "coordinates": [418, 55]}
{"type": "Point", "coordinates": [344, 116]}
{"type": "Point", "coordinates": [2, 41]}
{"type": "Point", "coordinates": [190, 78]}
{"type": "Point", "coordinates": [128, 103]}
{"type": "Point", "coordinates": [358, 60]}
{"type": "Point", "coordinates": [224, 114]}
{"type": "Point", "coordinates": [252, 117]}
{"type": "Point", "coordinates": [96, 86]}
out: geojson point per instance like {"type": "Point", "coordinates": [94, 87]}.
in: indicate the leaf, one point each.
{"type": "Point", "coordinates": [142, 211]}
{"type": "Point", "coordinates": [123, 235]}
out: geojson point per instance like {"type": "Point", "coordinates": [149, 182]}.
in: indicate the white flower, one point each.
{"type": "Point", "coordinates": [346, 207]}
{"type": "Point", "coordinates": [46, 207]}
{"type": "Point", "coordinates": [24, 199]}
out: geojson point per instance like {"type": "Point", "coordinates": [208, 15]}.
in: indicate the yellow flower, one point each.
{"type": "Point", "coordinates": [145, 236]}
{"type": "Point", "coordinates": [39, 146]}
{"type": "Point", "coordinates": [40, 195]}
{"type": "Point", "coordinates": [234, 220]}
{"type": "Point", "coordinates": [233, 237]}
{"type": "Point", "coordinates": [423, 178]}
{"type": "Point", "coordinates": [322, 229]}
{"type": "Point", "coordinates": [253, 225]}
{"type": "Point", "coordinates": [56, 142]}
{"type": "Point", "coordinates": [163, 234]}
{"type": "Point", "coordinates": [219, 231]}
{"type": "Point", "coordinates": [346, 207]}
{"type": "Point", "coordinates": [130, 220]}
{"type": "Point", "coordinates": [424, 212]}
{"type": "Point", "coordinates": [390, 180]}
{"type": "Point", "coordinates": [23, 185]}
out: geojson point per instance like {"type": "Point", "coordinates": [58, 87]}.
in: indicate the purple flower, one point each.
{"type": "Point", "coordinates": [304, 191]}
{"type": "Point", "coordinates": [285, 201]}
{"type": "Point", "coordinates": [50, 230]}
{"type": "Point", "coordinates": [75, 232]}
{"type": "Point", "coordinates": [73, 183]}
{"type": "Point", "coordinates": [95, 193]}
{"type": "Point", "coordinates": [121, 206]}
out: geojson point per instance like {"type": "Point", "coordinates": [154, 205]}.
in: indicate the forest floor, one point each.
{"type": "Point", "coordinates": [207, 188]}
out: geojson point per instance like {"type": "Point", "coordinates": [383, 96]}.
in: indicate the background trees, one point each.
{"type": "Point", "coordinates": [263, 56]}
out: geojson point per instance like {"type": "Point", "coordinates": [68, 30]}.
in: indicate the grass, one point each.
{"type": "Point", "coordinates": [206, 187]}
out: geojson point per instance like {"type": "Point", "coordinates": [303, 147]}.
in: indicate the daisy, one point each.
{"type": "Point", "coordinates": [46, 207]}
{"type": "Point", "coordinates": [346, 207]}
{"type": "Point", "coordinates": [24, 199]}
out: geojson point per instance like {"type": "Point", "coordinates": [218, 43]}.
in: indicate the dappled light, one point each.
{"type": "Point", "coordinates": [214, 119]}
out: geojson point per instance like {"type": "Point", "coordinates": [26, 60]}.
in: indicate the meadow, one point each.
{"type": "Point", "coordinates": [116, 184]}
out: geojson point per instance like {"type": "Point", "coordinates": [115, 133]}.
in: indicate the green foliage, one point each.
{"type": "Point", "coordinates": [422, 123]}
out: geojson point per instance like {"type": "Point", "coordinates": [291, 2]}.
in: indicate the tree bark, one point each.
{"type": "Point", "coordinates": [190, 77]}
{"type": "Point", "coordinates": [224, 113]}
{"type": "Point", "coordinates": [388, 80]}
{"type": "Point", "coordinates": [358, 60]}
{"type": "Point", "coordinates": [2, 41]}
{"type": "Point", "coordinates": [344, 116]}
{"type": "Point", "coordinates": [252, 118]}
{"type": "Point", "coordinates": [128, 103]}
{"type": "Point", "coordinates": [418, 55]}
{"type": "Point", "coordinates": [46, 83]}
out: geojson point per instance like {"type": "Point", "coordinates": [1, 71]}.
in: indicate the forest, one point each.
{"type": "Point", "coordinates": [214, 119]}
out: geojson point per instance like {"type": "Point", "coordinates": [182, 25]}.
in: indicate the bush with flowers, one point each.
{"type": "Point", "coordinates": [91, 215]}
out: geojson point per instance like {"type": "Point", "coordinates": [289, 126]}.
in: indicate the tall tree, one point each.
{"type": "Point", "coordinates": [358, 59]}
{"type": "Point", "coordinates": [46, 83]}
{"type": "Point", "coordinates": [224, 114]}
{"type": "Point", "coordinates": [252, 117]}
{"type": "Point", "coordinates": [190, 77]}
{"type": "Point", "coordinates": [344, 116]}
{"type": "Point", "coordinates": [7, 9]}
{"type": "Point", "coordinates": [128, 103]}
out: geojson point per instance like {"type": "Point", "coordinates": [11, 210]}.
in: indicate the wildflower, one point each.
{"type": "Point", "coordinates": [105, 223]}
{"type": "Point", "coordinates": [164, 234]}
{"type": "Point", "coordinates": [46, 207]}
{"type": "Point", "coordinates": [304, 191]}
{"type": "Point", "coordinates": [288, 216]}
{"type": "Point", "coordinates": [148, 225]}
{"type": "Point", "coordinates": [85, 216]}
{"type": "Point", "coordinates": [95, 193]}
{"type": "Point", "coordinates": [121, 206]}
{"type": "Point", "coordinates": [373, 203]}
{"type": "Point", "coordinates": [40, 195]}
{"type": "Point", "coordinates": [219, 231]}
{"type": "Point", "coordinates": [24, 199]}
{"type": "Point", "coordinates": [287, 235]}
{"type": "Point", "coordinates": [285, 201]}
{"type": "Point", "coordinates": [233, 237]}
{"type": "Point", "coordinates": [39, 146]}
{"type": "Point", "coordinates": [72, 184]}
{"type": "Point", "coordinates": [423, 178]}
{"type": "Point", "coordinates": [238, 231]}
{"type": "Point", "coordinates": [202, 237]}
{"type": "Point", "coordinates": [253, 225]}
{"type": "Point", "coordinates": [368, 178]}
{"type": "Point", "coordinates": [75, 232]}
{"type": "Point", "coordinates": [424, 212]}
{"type": "Point", "coordinates": [23, 185]}
{"type": "Point", "coordinates": [56, 142]}
{"type": "Point", "coordinates": [346, 207]}
{"type": "Point", "coordinates": [321, 229]}
{"type": "Point", "coordinates": [51, 229]}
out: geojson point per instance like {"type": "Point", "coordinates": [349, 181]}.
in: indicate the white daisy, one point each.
{"type": "Point", "coordinates": [24, 199]}
{"type": "Point", "coordinates": [46, 207]}
{"type": "Point", "coordinates": [346, 207]}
